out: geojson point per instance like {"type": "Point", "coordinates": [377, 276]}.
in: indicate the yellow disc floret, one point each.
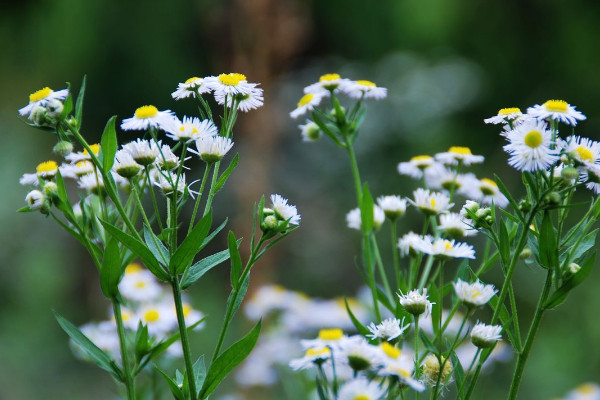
{"type": "Point", "coordinates": [46, 166]}
{"type": "Point", "coordinates": [95, 149]}
{"type": "Point", "coordinates": [533, 139]}
{"type": "Point", "coordinates": [151, 316]}
{"type": "Point", "coordinates": [40, 94]}
{"type": "Point", "coordinates": [140, 284]}
{"type": "Point", "coordinates": [585, 154]}
{"type": "Point", "coordinates": [508, 111]}
{"type": "Point", "coordinates": [315, 351]}
{"type": "Point", "coordinates": [421, 158]}
{"type": "Point", "coordinates": [146, 112]}
{"type": "Point", "coordinates": [329, 77]}
{"type": "Point", "coordinates": [361, 397]}
{"type": "Point", "coordinates": [366, 83]}
{"type": "Point", "coordinates": [190, 80]}
{"type": "Point", "coordinates": [232, 79]}
{"type": "Point", "coordinates": [460, 150]}
{"type": "Point", "coordinates": [331, 334]}
{"type": "Point", "coordinates": [307, 98]}
{"type": "Point", "coordinates": [586, 388]}
{"type": "Point", "coordinates": [390, 350]}
{"type": "Point", "coordinates": [133, 268]}
{"type": "Point", "coordinates": [556, 105]}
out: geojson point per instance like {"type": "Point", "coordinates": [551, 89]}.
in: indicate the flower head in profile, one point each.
{"type": "Point", "coordinates": [312, 357]}
{"type": "Point", "coordinates": [283, 210]}
{"type": "Point", "coordinates": [416, 166]}
{"type": "Point", "coordinates": [474, 294]}
{"type": "Point", "coordinates": [146, 117]}
{"type": "Point", "coordinates": [530, 146]}
{"type": "Point", "coordinates": [431, 203]}
{"type": "Point", "coordinates": [487, 191]}
{"type": "Point", "coordinates": [412, 244]}
{"type": "Point", "coordinates": [354, 220]}
{"type": "Point", "coordinates": [230, 85]}
{"type": "Point", "coordinates": [445, 249]}
{"type": "Point", "coordinates": [310, 131]}
{"type": "Point", "coordinates": [361, 389]}
{"type": "Point", "coordinates": [125, 165]}
{"type": "Point", "coordinates": [212, 148]}
{"type": "Point", "coordinates": [45, 170]}
{"type": "Point", "coordinates": [363, 89]}
{"type": "Point", "coordinates": [484, 336]}
{"type": "Point", "coordinates": [40, 98]}
{"type": "Point", "coordinates": [416, 303]}
{"type": "Point", "coordinates": [327, 83]}
{"type": "Point", "coordinates": [505, 116]}
{"type": "Point", "coordinates": [389, 329]}
{"type": "Point", "coordinates": [454, 226]}
{"type": "Point", "coordinates": [191, 128]}
{"type": "Point", "coordinates": [35, 200]}
{"type": "Point", "coordinates": [458, 155]}
{"type": "Point", "coordinates": [142, 151]}
{"type": "Point", "coordinates": [244, 101]}
{"type": "Point", "coordinates": [193, 86]}
{"type": "Point", "coordinates": [307, 103]}
{"type": "Point", "coordinates": [583, 150]}
{"type": "Point", "coordinates": [558, 110]}
{"type": "Point", "coordinates": [392, 206]}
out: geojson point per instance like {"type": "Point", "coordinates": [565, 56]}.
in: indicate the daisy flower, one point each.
{"type": "Point", "coordinates": [398, 365]}
{"type": "Point", "coordinates": [232, 84]}
{"type": "Point", "coordinates": [446, 249]}
{"type": "Point", "coordinates": [358, 354]}
{"type": "Point", "coordinates": [191, 87]}
{"type": "Point", "coordinates": [592, 178]}
{"type": "Point", "coordinates": [159, 318]}
{"type": "Point", "coordinates": [389, 329]}
{"type": "Point", "coordinates": [412, 243]}
{"type": "Point", "coordinates": [416, 303]}
{"type": "Point", "coordinates": [530, 146]}
{"type": "Point", "coordinates": [360, 388]}
{"type": "Point", "coordinates": [474, 294]}
{"type": "Point", "coordinates": [245, 102]}
{"type": "Point", "coordinates": [165, 158]}
{"type": "Point", "coordinates": [212, 148]}
{"type": "Point", "coordinates": [139, 285]}
{"type": "Point", "coordinates": [484, 336]}
{"type": "Point", "coordinates": [91, 182]}
{"type": "Point", "coordinates": [415, 167]}
{"type": "Point", "coordinates": [353, 218]}
{"type": "Point", "coordinates": [331, 337]}
{"type": "Point", "coordinates": [440, 177]}
{"type": "Point", "coordinates": [583, 150]}
{"type": "Point", "coordinates": [35, 200]}
{"type": "Point", "coordinates": [76, 170]}
{"type": "Point", "coordinates": [558, 110]}
{"type": "Point", "coordinates": [125, 165]}
{"type": "Point", "coordinates": [504, 116]}
{"type": "Point", "coordinates": [45, 170]}
{"type": "Point", "coordinates": [488, 193]}
{"type": "Point", "coordinates": [166, 181]}
{"type": "Point", "coordinates": [284, 210]}
{"type": "Point", "coordinates": [147, 117]}
{"type": "Point", "coordinates": [40, 98]}
{"type": "Point", "coordinates": [104, 335]}
{"type": "Point", "coordinates": [191, 128]}
{"type": "Point", "coordinates": [307, 103]}
{"type": "Point", "coordinates": [431, 203]}
{"type": "Point", "coordinates": [142, 151]}
{"type": "Point", "coordinates": [83, 155]}
{"type": "Point", "coordinates": [457, 155]}
{"type": "Point", "coordinates": [312, 357]}
{"type": "Point", "coordinates": [392, 206]}
{"type": "Point", "coordinates": [362, 89]}
{"type": "Point", "coordinates": [454, 226]}
{"type": "Point", "coordinates": [310, 131]}
{"type": "Point", "coordinates": [585, 391]}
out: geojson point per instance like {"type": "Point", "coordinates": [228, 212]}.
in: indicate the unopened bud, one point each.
{"type": "Point", "coordinates": [270, 222]}
{"type": "Point", "coordinates": [553, 198]}
{"type": "Point", "coordinates": [525, 206]}
{"type": "Point", "coordinates": [574, 268]}
{"type": "Point", "coordinates": [51, 189]}
{"type": "Point", "coordinates": [569, 173]}
{"type": "Point", "coordinates": [38, 116]}
{"type": "Point", "coordinates": [525, 253]}
{"type": "Point", "coordinates": [63, 148]}
{"type": "Point", "coordinates": [55, 108]}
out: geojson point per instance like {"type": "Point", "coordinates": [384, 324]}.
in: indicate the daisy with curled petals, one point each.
{"type": "Point", "coordinates": [388, 330]}
{"type": "Point", "coordinates": [230, 85]}
{"type": "Point", "coordinates": [458, 155]}
{"type": "Point", "coordinates": [327, 83]}
{"type": "Point", "coordinates": [530, 146]}
{"type": "Point", "coordinates": [245, 101]}
{"type": "Point", "coordinates": [362, 89]}
{"type": "Point", "coordinates": [191, 128]}
{"type": "Point", "coordinates": [212, 148]}
{"type": "Point", "coordinates": [146, 117]}
{"type": "Point", "coordinates": [416, 166]}
{"type": "Point", "coordinates": [484, 336]}
{"type": "Point", "coordinates": [583, 150]}
{"type": "Point", "coordinates": [446, 249]}
{"type": "Point", "coordinates": [284, 210]}
{"type": "Point", "coordinates": [35, 200]}
{"type": "Point", "coordinates": [45, 170]}
{"type": "Point", "coordinates": [193, 86]}
{"type": "Point", "coordinates": [40, 98]}
{"type": "Point", "coordinates": [431, 203]}
{"type": "Point", "coordinates": [558, 110]}
{"type": "Point", "coordinates": [392, 206]}
{"type": "Point", "coordinates": [474, 294]}
{"type": "Point", "coordinates": [505, 116]}
{"type": "Point", "coordinates": [361, 389]}
{"type": "Point", "coordinates": [307, 103]}
{"type": "Point", "coordinates": [142, 151]}
{"type": "Point", "coordinates": [125, 165]}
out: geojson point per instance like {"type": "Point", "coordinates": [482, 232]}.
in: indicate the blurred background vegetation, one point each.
{"type": "Point", "coordinates": [447, 64]}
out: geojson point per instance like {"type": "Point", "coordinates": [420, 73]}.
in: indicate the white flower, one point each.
{"type": "Point", "coordinates": [489, 193]}
{"type": "Point", "coordinates": [306, 104]}
{"type": "Point", "coordinates": [558, 110]}
{"type": "Point", "coordinates": [360, 388]}
{"type": "Point", "coordinates": [358, 353]}
{"type": "Point", "coordinates": [353, 219]}
{"type": "Point", "coordinates": [191, 87]}
{"type": "Point", "coordinates": [530, 146]}
{"type": "Point", "coordinates": [415, 167]}
{"type": "Point", "coordinates": [416, 303]}
{"type": "Point", "coordinates": [399, 365]}
{"type": "Point", "coordinates": [388, 329]}
{"type": "Point", "coordinates": [363, 89]}
{"type": "Point", "coordinates": [454, 225]}
{"type": "Point", "coordinates": [143, 151]}
{"type": "Point", "coordinates": [310, 131]}
{"type": "Point", "coordinates": [458, 155]}
{"type": "Point", "coordinates": [327, 83]}
{"type": "Point", "coordinates": [505, 115]}
{"type": "Point", "coordinates": [212, 148]}
{"type": "Point", "coordinates": [440, 177]}
{"type": "Point", "coordinates": [431, 203]}
{"type": "Point", "coordinates": [411, 243]}
{"type": "Point", "coordinates": [584, 150]}
{"type": "Point", "coordinates": [139, 284]}
{"type": "Point", "coordinates": [585, 391]}
{"type": "Point", "coordinates": [125, 165]}
{"type": "Point", "coordinates": [474, 294]}
{"type": "Point", "coordinates": [165, 158]}
{"type": "Point", "coordinates": [83, 155]}
{"type": "Point", "coordinates": [313, 356]}
{"type": "Point", "coordinates": [159, 318]}
{"type": "Point", "coordinates": [392, 206]}
{"type": "Point", "coordinates": [191, 128]}
{"type": "Point", "coordinates": [245, 102]}
{"type": "Point", "coordinates": [232, 84]}
{"type": "Point", "coordinates": [41, 98]}
{"type": "Point", "coordinates": [76, 170]}
{"type": "Point", "coordinates": [167, 181]}
{"type": "Point", "coordinates": [284, 210]}
{"type": "Point", "coordinates": [443, 248]}
{"type": "Point", "coordinates": [484, 336]}
{"type": "Point", "coordinates": [147, 117]}
{"type": "Point", "coordinates": [35, 200]}
{"type": "Point", "coordinates": [331, 337]}
{"type": "Point", "coordinates": [592, 178]}
{"type": "Point", "coordinates": [45, 170]}
{"type": "Point", "coordinates": [91, 182]}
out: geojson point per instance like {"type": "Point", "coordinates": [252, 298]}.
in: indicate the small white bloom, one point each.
{"type": "Point", "coordinates": [416, 303]}
{"type": "Point", "coordinates": [431, 203]}
{"type": "Point", "coordinates": [558, 110]}
{"type": "Point", "coordinates": [489, 193]}
{"type": "Point", "coordinates": [484, 336]}
{"type": "Point", "coordinates": [475, 294]}
{"type": "Point", "coordinates": [584, 150]}
{"type": "Point", "coordinates": [284, 210]}
{"type": "Point", "coordinates": [92, 182]}
{"type": "Point", "coordinates": [165, 158]}
{"type": "Point", "coordinates": [388, 329]}
{"type": "Point", "coordinates": [125, 165]}
{"type": "Point", "coordinates": [307, 103]}
{"type": "Point", "coordinates": [139, 285]}
{"type": "Point", "coordinates": [104, 335]}
{"type": "Point", "coordinates": [363, 89]}
{"type": "Point", "coordinates": [147, 117]}
{"type": "Point", "coordinates": [392, 206]}
{"type": "Point", "coordinates": [327, 83]}
{"type": "Point", "coordinates": [143, 151]}
{"type": "Point", "coordinates": [312, 357]}
{"type": "Point", "coordinates": [585, 391]}
{"type": "Point", "coordinates": [530, 146]}
{"type": "Point", "coordinates": [159, 318]}
{"type": "Point", "coordinates": [232, 84]}
{"type": "Point", "coordinates": [212, 148]}
{"type": "Point", "coordinates": [443, 248]}
{"type": "Point", "coordinates": [191, 128]}
{"type": "Point", "coordinates": [167, 181]}
{"type": "Point", "coordinates": [353, 219]}
{"type": "Point", "coordinates": [191, 87]}
{"type": "Point", "coordinates": [505, 115]}
{"type": "Point", "coordinates": [416, 166]}
{"type": "Point", "coordinates": [45, 170]}
{"type": "Point", "coordinates": [245, 102]}
{"type": "Point", "coordinates": [74, 171]}
{"type": "Point", "coordinates": [361, 388]}
{"type": "Point", "coordinates": [358, 354]}
{"type": "Point", "coordinates": [35, 199]}
{"type": "Point", "coordinates": [310, 131]}
{"type": "Point", "coordinates": [83, 155]}
{"type": "Point", "coordinates": [331, 337]}
{"type": "Point", "coordinates": [458, 155]}
{"type": "Point", "coordinates": [411, 243]}
{"type": "Point", "coordinates": [442, 178]}
{"type": "Point", "coordinates": [41, 98]}
{"type": "Point", "coordinates": [454, 225]}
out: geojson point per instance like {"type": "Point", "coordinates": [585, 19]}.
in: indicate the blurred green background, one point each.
{"type": "Point", "coordinates": [447, 64]}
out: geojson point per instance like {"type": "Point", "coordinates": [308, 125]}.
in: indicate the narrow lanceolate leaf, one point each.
{"type": "Point", "coordinates": [79, 102]}
{"type": "Point", "coordinates": [366, 210]}
{"type": "Point", "coordinates": [199, 373]}
{"type": "Point", "coordinates": [236, 260]}
{"type": "Point", "coordinates": [97, 355]}
{"type": "Point", "coordinates": [173, 386]}
{"type": "Point", "coordinates": [139, 249]}
{"type": "Point", "coordinates": [506, 320]}
{"type": "Point", "coordinates": [504, 245]}
{"type": "Point", "coordinates": [506, 193]}
{"type": "Point", "coordinates": [156, 246]}
{"type": "Point", "coordinates": [142, 342]}
{"type": "Point", "coordinates": [67, 105]}
{"type": "Point", "coordinates": [561, 294]}
{"type": "Point", "coordinates": [225, 175]}
{"type": "Point", "coordinates": [357, 324]}
{"type": "Point", "coordinates": [459, 373]}
{"type": "Point", "coordinates": [112, 269]}
{"type": "Point", "coordinates": [196, 271]}
{"type": "Point", "coordinates": [214, 233]}
{"type": "Point", "coordinates": [227, 361]}
{"type": "Point", "coordinates": [193, 243]}
{"type": "Point", "coordinates": [108, 144]}
{"type": "Point", "coordinates": [548, 245]}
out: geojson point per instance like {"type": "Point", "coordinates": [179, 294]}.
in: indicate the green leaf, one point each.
{"type": "Point", "coordinates": [214, 233]}
{"type": "Point", "coordinates": [326, 129]}
{"type": "Point", "coordinates": [79, 102]}
{"type": "Point", "coordinates": [142, 343]}
{"type": "Point", "coordinates": [427, 342]}
{"type": "Point", "coordinates": [237, 296]}
{"type": "Point", "coordinates": [108, 144]}
{"type": "Point", "coordinates": [112, 269]}
{"type": "Point", "coordinates": [193, 243]}
{"type": "Point", "coordinates": [173, 386]}
{"type": "Point", "coordinates": [236, 260]}
{"type": "Point", "coordinates": [24, 209]}
{"type": "Point", "coordinates": [67, 106]}
{"type": "Point", "coordinates": [548, 247]}
{"type": "Point", "coordinates": [579, 248]}
{"type": "Point", "coordinates": [199, 373]}
{"type": "Point", "coordinates": [459, 373]}
{"type": "Point", "coordinates": [506, 193]}
{"type": "Point", "coordinates": [366, 210]}
{"type": "Point", "coordinates": [227, 361]}
{"type": "Point", "coordinates": [359, 326]}
{"type": "Point", "coordinates": [156, 246]}
{"type": "Point", "coordinates": [504, 242]}
{"type": "Point", "coordinates": [196, 271]}
{"type": "Point", "coordinates": [506, 320]}
{"type": "Point", "coordinates": [139, 249]}
{"type": "Point", "coordinates": [225, 175]}
{"type": "Point", "coordinates": [97, 355]}
{"type": "Point", "coordinates": [561, 294]}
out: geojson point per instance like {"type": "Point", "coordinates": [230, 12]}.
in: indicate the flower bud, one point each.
{"type": "Point", "coordinates": [525, 206]}
{"type": "Point", "coordinates": [553, 198]}
{"type": "Point", "coordinates": [526, 253]}
{"type": "Point", "coordinates": [38, 116]}
{"type": "Point", "coordinates": [63, 148]}
{"type": "Point", "coordinates": [51, 189]}
{"type": "Point", "coordinates": [269, 222]}
{"type": "Point", "coordinates": [574, 268]}
{"type": "Point", "coordinates": [432, 371]}
{"type": "Point", "coordinates": [569, 173]}
{"type": "Point", "coordinates": [37, 201]}
{"type": "Point", "coordinates": [55, 108]}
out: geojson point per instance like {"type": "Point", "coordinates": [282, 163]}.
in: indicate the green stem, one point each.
{"type": "Point", "coordinates": [355, 172]}
{"type": "Point", "coordinates": [153, 196]}
{"type": "Point", "coordinates": [380, 266]}
{"type": "Point", "coordinates": [204, 177]}
{"type": "Point", "coordinates": [185, 344]}
{"type": "Point", "coordinates": [426, 271]}
{"type": "Point", "coordinates": [395, 257]}
{"type": "Point", "coordinates": [138, 201]}
{"type": "Point", "coordinates": [211, 192]}
{"type": "Point", "coordinates": [535, 325]}
{"type": "Point", "coordinates": [129, 385]}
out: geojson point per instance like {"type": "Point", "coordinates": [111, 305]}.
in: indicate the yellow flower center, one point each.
{"type": "Point", "coordinates": [125, 315]}
{"type": "Point", "coordinates": [361, 397]}
{"type": "Point", "coordinates": [460, 150]}
{"type": "Point", "coordinates": [40, 94]}
{"type": "Point", "coordinates": [140, 285]}
{"type": "Point", "coordinates": [390, 350]}
{"type": "Point", "coordinates": [533, 139]}
{"type": "Point", "coordinates": [186, 309]}
{"type": "Point", "coordinates": [420, 158]}
{"type": "Point", "coordinates": [432, 202]}
{"type": "Point", "coordinates": [307, 98]}
{"type": "Point", "coordinates": [510, 110]}
{"type": "Point", "coordinates": [585, 388]}
{"type": "Point", "coordinates": [133, 268]}
{"type": "Point", "coordinates": [318, 351]}
{"type": "Point", "coordinates": [475, 293]}
{"type": "Point", "coordinates": [231, 79]}
{"type": "Point", "coordinates": [585, 154]}
{"type": "Point", "coordinates": [151, 316]}
{"type": "Point", "coordinates": [556, 105]}
{"type": "Point", "coordinates": [329, 77]}
{"type": "Point", "coordinates": [447, 245]}
{"type": "Point", "coordinates": [532, 227]}
{"type": "Point", "coordinates": [146, 112]}
{"type": "Point", "coordinates": [190, 80]}
{"type": "Point", "coordinates": [366, 83]}
{"type": "Point", "coordinates": [94, 147]}
{"type": "Point", "coordinates": [488, 181]}
{"type": "Point", "coordinates": [47, 166]}
{"type": "Point", "coordinates": [331, 334]}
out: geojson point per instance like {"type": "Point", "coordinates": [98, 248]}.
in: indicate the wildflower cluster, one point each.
{"type": "Point", "coordinates": [119, 219]}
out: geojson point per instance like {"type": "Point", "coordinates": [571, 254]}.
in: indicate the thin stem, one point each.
{"type": "Point", "coordinates": [355, 172]}
{"type": "Point", "coordinates": [395, 257]}
{"type": "Point", "coordinates": [380, 266]}
{"type": "Point", "coordinates": [138, 201]}
{"type": "Point", "coordinates": [211, 193]}
{"type": "Point", "coordinates": [204, 177]}
{"type": "Point", "coordinates": [185, 345]}
{"type": "Point", "coordinates": [153, 196]}
{"type": "Point", "coordinates": [129, 385]}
